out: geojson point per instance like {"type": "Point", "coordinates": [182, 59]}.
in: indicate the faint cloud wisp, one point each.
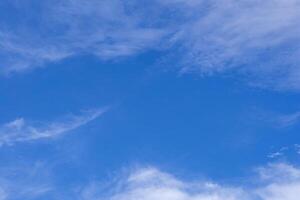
{"type": "Point", "coordinates": [21, 130]}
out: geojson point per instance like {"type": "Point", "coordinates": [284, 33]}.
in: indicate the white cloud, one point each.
{"type": "Point", "coordinates": [285, 152]}
{"type": "Point", "coordinates": [276, 182]}
{"type": "Point", "coordinates": [65, 28]}
{"type": "Point", "coordinates": [282, 183]}
{"type": "Point", "coordinates": [279, 153]}
{"type": "Point", "coordinates": [273, 182]}
{"type": "Point", "coordinates": [21, 130]}
{"type": "Point", "coordinates": [260, 38]}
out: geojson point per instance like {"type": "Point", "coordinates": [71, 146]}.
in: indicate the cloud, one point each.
{"type": "Point", "coordinates": [60, 29]}
{"type": "Point", "coordinates": [285, 152]}
{"type": "Point", "coordinates": [279, 119]}
{"type": "Point", "coordinates": [282, 182]}
{"type": "Point", "coordinates": [21, 130]}
{"type": "Point", "coordinates": [279, 153]}
{"type": "Point", "coordinates": [275, 181]}
{"type": "Point", "coordinates": [260, 39]}
{"type": "Point", "coordinates": [30, 180]}
{"type": "Point", "coordinates": [153, 184]}
{"type": "Point", "coordinates": [289, 119]}
{"type": "Point", "coordinates": [278, 181]}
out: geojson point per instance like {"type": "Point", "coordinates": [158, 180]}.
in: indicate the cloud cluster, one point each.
{"type": "Point", "coordinates": [259, 40]}
{"type": "Point", "coordinates": [20, 130]}
{"type": "Point", "coordinates": [274, 182]}
{"type": "Point", "coordinates": [278, 181]}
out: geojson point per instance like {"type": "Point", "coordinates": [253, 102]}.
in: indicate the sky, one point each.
{"type": "Point", "coordinates": [149, 100]}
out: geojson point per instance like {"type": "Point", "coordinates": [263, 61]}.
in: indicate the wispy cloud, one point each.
{"type": "Point", "coordinates": [3, 195]}
{"type": "Point", "coordinates": [260, 39]}
{"type": "Point", "coordinates": [279, 153]}
{"type": "Point", "coordinates": [21, 130]}
{"type": "Point", "coordinates": [30, 180]}
{"type": "Point", "coordinates": [276, 181]}
{"type": "Point", "coordinates": [288, 119]}
{"type": "Point", "coordinates": [285, 152]}
{"type": "Point", "coordinates": [277, 119]}
{"type": "Point", "coordinates": [60, 29]}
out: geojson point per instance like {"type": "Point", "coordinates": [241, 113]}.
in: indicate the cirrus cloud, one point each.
{"type": "Point", "coordinates": [259, 40]}
{"type": "Point", "coordinates": [60, 29]}
{"type": "Point", "coordinates": [21, 130]}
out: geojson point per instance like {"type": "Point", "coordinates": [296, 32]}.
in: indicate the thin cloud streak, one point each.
{"type": "Point", "coordinates": [279, 120]}
{"type": "Point", "coordinates": [289, 119]}
{"type": "Point", "coordinates": [21, 130]}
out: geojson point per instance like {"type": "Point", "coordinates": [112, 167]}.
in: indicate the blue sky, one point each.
{"type": "Point", "coordinates": [149, 100]}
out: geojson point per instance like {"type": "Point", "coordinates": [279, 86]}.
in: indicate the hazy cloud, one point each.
{"type": "Point", "coordinates": [288, 119]}
{"type": "Point", "coordinates": [30, 180]}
